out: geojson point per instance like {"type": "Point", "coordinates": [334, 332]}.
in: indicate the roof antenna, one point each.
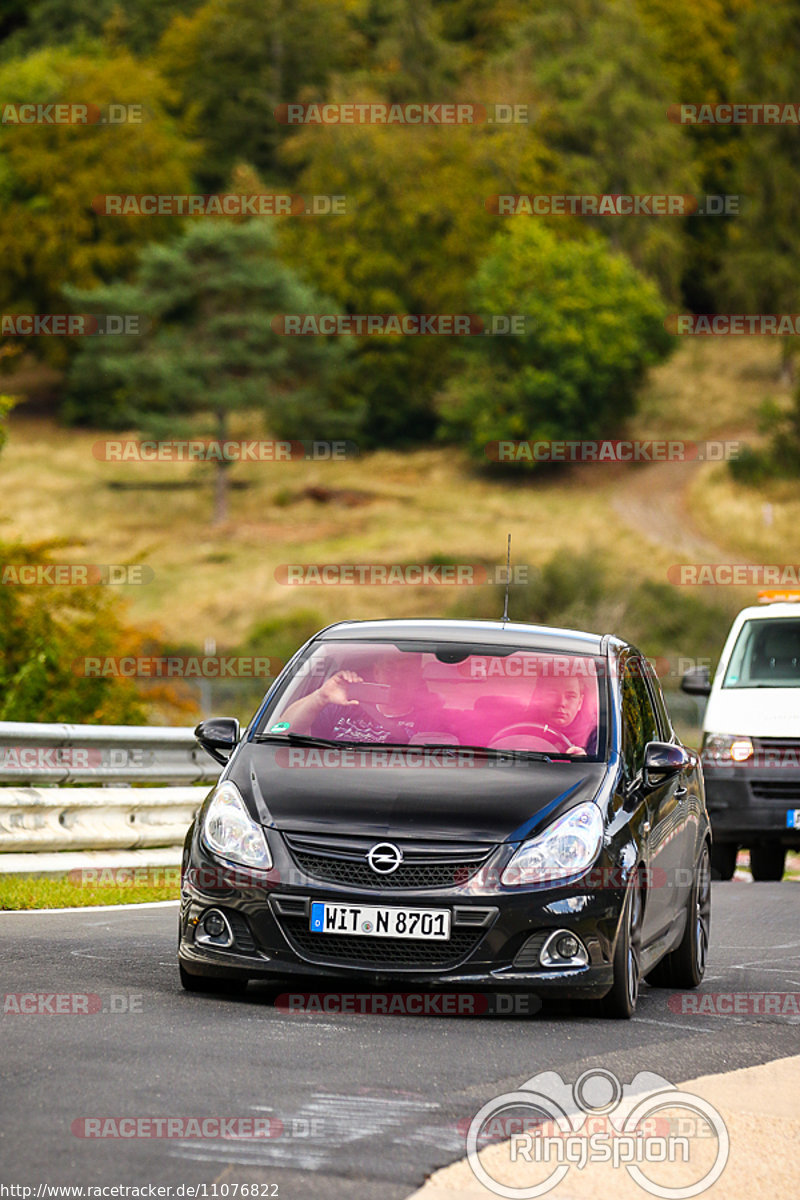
{"type": "Point", "coordinates": [508, 578]}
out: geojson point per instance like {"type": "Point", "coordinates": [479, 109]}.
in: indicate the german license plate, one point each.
{"type": "Point", "coordinates": [793, 818]}
{"type": "Point", "coordinates": [370, 921]}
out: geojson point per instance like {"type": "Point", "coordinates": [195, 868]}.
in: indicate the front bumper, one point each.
{"type": "Point", "coordinates": [751, 803]}
{"type": "Point", "coordinates": [495, 938]}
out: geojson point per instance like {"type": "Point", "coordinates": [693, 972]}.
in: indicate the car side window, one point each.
{"type": "Point", "coordinates": [639, 724]}
{"type": "Point", "coordinates": [665, 731]}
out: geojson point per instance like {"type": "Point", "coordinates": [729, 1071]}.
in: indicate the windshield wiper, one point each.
{"type": "Point", "coordinates": [307, 739]}
{"type": "Point", "coordinates": [534, 755]}
{"type": "Point", "coordinates": [295, 739]}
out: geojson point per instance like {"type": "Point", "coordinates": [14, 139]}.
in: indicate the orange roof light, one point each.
{"type": "Point", "coordinates": [779, 595]}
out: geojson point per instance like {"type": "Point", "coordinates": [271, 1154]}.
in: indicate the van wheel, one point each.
{"type": "Point", "coordinates": [723, 860]}
{"type": "Point", "coordinates": [767, 862]}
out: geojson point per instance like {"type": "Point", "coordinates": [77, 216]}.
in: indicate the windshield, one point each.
{"type": "Point", "coordinates": [405, 693]}
{"type": "Point", "coordinates": [766, 654]}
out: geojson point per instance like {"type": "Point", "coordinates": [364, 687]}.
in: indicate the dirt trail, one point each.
{"type": "Point", "coordinates": [653, 501]}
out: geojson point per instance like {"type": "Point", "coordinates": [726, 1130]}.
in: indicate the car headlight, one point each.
{"type": "Point", "coordinates": [229, 830]}
{"type": "Point", "coordinates": [568, 847]}
{"type": "Point", "coordinates": [720, 749]}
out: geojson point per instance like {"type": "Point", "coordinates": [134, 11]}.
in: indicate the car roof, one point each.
{"type": "Point", "coordinates": [495, 633]}
{"type": "Point", "coordinates": [766, 612]}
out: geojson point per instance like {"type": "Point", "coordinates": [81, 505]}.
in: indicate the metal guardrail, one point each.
{"type": "Point", "coordinates": [47, 819]}
{"type": "Point", "coordinates": [36, 753]}
{"type": "Point", "coordinates": [106, 817]}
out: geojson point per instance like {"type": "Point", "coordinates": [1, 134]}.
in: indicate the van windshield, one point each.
{"type": "Point", "coordinates": [766, 654]}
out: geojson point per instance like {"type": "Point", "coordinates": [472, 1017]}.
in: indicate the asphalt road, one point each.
{"type": "Point", "coordinates": [370, 1105]}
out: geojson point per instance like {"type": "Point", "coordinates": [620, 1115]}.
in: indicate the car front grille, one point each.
{"type": "Point", "coordinates": [784, 791]}
{"type": "Point", "coordinates": [425, 865]}
{"type": "Point", "coordinates": [385, 953]}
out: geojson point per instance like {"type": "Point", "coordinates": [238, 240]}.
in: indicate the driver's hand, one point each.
{"type": "Point", "coordinates": [575, 751]}
{"type": "Point", "coordinates": [334, 690]}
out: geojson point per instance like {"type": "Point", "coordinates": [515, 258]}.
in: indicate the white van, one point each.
{"type": "Point", "coordinates": [751, 740]}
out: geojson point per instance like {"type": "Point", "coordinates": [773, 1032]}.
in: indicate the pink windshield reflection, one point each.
{"type": "Point", "coordinates": [356, 692]}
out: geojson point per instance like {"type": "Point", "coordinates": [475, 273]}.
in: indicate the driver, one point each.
{"type": "Point", "coordinates": [557, 704]}
{"type": "Point", "coordinates": [333, 712]}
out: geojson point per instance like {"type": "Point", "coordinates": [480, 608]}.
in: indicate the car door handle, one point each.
{"type": "Point", "coordinates": [681, 792]}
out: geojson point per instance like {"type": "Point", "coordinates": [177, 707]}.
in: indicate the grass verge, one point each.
{"type": "Point", "coordinates": [83, 890]}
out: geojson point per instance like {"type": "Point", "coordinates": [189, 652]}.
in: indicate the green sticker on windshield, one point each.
{"type": "Point", "coordinates": [281, 727]}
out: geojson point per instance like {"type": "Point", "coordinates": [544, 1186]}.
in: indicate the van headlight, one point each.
{"type": "Point", "coordinates": [568, 847]}
{"type": "Point", "coordinates": [719, 749]}
{"type": "Point", "coordinates": [229, 830]}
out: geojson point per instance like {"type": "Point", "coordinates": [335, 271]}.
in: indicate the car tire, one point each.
{"type": "Point", "coordinates": [685, 966]}
{"type": "Point", "coordinates": [620, 1002]}
{"type": "Point", "coordinates": [723, 859]}
{"type": "Point", "coordinates": [767, 862]}
{"type": "Point", "coordinates": [218, 985]}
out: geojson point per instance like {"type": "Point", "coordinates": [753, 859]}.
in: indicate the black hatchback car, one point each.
{"type": "Point", "coordinates": [452, 803]}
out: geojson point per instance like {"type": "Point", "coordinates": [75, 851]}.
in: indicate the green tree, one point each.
{"type": "Point", "coordinates": [49, 175]}
{"type": "Point", "coordinates": [597, 81]}
{"type": "Point", "coordinates": [415, 228]}
{"type": "Point", "coordinates": [593, 325]}
{"type": "Point", "coordinates": [6, 404]}
{"type": "Point", "coordinates": [699, 64]}
{"type": "Point", "coordinates": [760, 271]}
{"type": "Point", "coordinates": [209, 298]}
{"type": "Point", "coordinates": [45, 634]}
{"type": "Point", "coordinates": [232, 62]}
{"type": "Point", "coordinates": [33, 24]}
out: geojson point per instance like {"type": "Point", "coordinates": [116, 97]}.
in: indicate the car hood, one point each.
{"type": "Point", "coordinates": [757, 712]}
{"type": "Point", "coordinates": [488, 800]}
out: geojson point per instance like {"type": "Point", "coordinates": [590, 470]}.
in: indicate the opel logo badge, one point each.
{"type": "Point", "coordinates": [384, 858]}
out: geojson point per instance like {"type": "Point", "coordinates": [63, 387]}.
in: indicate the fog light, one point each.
{"type": "Point", "coordinates": [214, 925]}
{"type": "Point", "coordinates": [563, 949]}
{"type": "Point", "coordinates": [567, 946]}
{"type": "Point", "coordinates": [214, 930]}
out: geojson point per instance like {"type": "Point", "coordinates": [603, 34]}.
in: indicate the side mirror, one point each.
{"type": "Point", "coordinates": [696, 682]}
{"type": "Point", "coordinates": [218, 736]}
{"type": "Point", "coordinates": [662, 760]}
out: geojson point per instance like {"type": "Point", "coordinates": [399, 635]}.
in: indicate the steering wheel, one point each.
{"type": "Point", "coordinates": [520, 737]}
